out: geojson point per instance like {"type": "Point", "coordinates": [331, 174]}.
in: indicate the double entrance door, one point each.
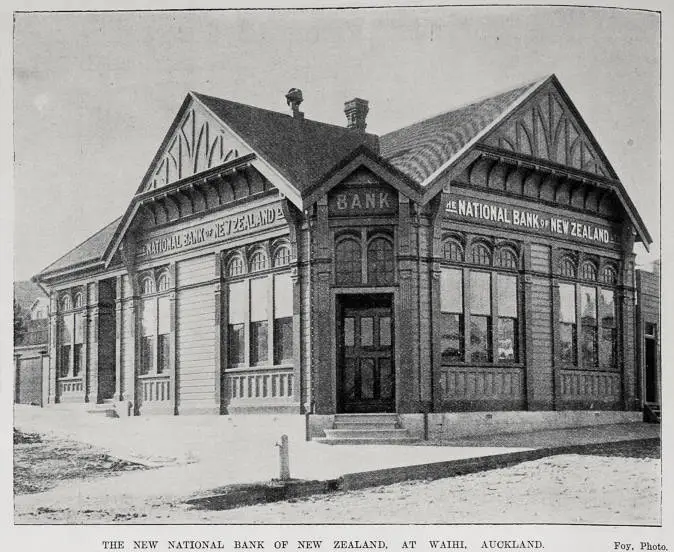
{"type": "Point", "coordinates": [366, 372]}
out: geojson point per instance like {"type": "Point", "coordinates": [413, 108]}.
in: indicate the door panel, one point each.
{"type": "Point", "coordinates": [367, 376]}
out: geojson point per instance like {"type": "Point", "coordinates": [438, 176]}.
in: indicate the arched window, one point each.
{"type": "Point", "coordinates": [609, 275]}
{"type": "Point", "coordinates": [567, 267]}
{"type": "Point", "coordinates": [481, 255]}
{"type": "Point", "coordinates": [282, 256]}
{"type": "Point", "coordinates": [235, 267]}
{"type": "Point", "coordinates": [147, 285]}
{"type": "Point", "coordinates": [66, 303]}
{"type": "Point", "coordinates": [588, 271]}
{"type": "Point", "coordinates": [506, 258]}
{"type": "Point", "coordinates": [78, 300]}
{"type": "Point", "coordinates": [163, 282]}
{"type": "Point", "coordinates": [348, 268]}
{"type": "Point", "coordinates": [380, 266]}
{"type": "Point", "coordinates": [258, 261]}
{"type": "Point", "coordinates": [452, 251]}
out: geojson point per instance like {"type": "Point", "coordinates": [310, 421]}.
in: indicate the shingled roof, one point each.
{"type": "Point", "coordinates": [90, 250]}
{"type": "Point", "coordinates": [420, 149]}
{"type": "Point", "coordinates": [301, 149]}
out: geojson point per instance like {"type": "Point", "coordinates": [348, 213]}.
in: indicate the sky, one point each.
{"type": "Point", "coordinates": [95, 93]}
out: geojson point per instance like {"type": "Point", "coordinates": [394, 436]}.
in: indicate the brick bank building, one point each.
{"type": "Point", "coordinates": [476, 266]}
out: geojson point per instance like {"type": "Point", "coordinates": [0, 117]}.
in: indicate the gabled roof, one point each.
{"type": "Point", "coordinates": [420, 150]}
{"type": "Point", "coordinates": [26, 292]}
{"type": "Point", "coordinates": [89, 251]}
{"type": "Point", "coordinates": [301, 149]}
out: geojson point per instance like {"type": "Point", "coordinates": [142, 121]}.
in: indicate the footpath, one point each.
{"type": "Point", "coordinates": [197, 461]}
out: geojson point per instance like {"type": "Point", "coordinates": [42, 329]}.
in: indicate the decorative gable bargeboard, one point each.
{"type": "Point", "coordinates": [546, 127]}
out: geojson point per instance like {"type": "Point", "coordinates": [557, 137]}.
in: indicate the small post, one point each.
{"type": "Point", "coordinates": [284, 460]}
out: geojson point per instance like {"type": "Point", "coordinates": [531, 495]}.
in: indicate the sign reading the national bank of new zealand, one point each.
{"type": "Point", "coordinates": [530, 221]}
{"type": "Point", "coordinates": [216, 230]}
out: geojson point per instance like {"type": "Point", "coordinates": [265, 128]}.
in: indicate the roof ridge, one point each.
{"type": "Point", "coordinates": [528, 85]}
{"type": "Point", "coordinates": [312, 121]}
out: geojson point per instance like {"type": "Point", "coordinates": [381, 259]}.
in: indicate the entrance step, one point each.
{"type": "Point", "coordinates": [652, 413]}
{"type": "Point", "coordinates": [105, 408]}
{"type": "Point", "coordinates": [366, 429]}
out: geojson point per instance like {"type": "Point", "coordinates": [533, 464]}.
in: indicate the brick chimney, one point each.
{"type": "Point", "coordinates": [356, 112]}
{"type": "Point", "coordinates": [294, 99]}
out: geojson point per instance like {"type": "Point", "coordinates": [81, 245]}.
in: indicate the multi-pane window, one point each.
{"type": "Point", "coordinates": [506, 258]}
{"type": "Point", "coordinates": [507, 318]}
{"type": "Point", "coordinates": [567, 323]}
{"type": "Point", "coordinates": [155, 326]}
{"type": "Point", "coordinates": [237, 316]}
{"type": "Point", "coordinates": [380, 268]}
{"type": "Point", "coordinates": [588, 313]}
{"type": "Point", "coordinates": [282, 256]}
{"type": "Point", "coordinates": [452, 251]}
{"type": "Point", "coordinates": [607, 329]}
{"type": "Point", "coordinates": [451, 308]}
{"type": "Point", "coordinates": [588, 271]}
{"type": "Point", "coordinates": [148, 333]}
{"type": "Point", "coordinates": [567, 267]}
{"type": "Point", "coordinates": [235, 266]}
{"type": "Point", "coordinates": [258, 261]}
{"type": "Point", "coordinates": [78, 348]}
{"type": "Point", "coordinates": [260, 312]}
{"type": "Point", "coordinates": [283, 318]}
{"type": "Point", "coordinates": [348, 264]}
{"type": "Point", "coordinates": [481, 255]}
{"type": "Point", "coordinates": [259, 321]}
{"type": "Point", "coordinates": [65, 341]}
{"type": "Point", "coordinates": [480, 317]}
{"type": "Point", "coordinates": [608, 275]}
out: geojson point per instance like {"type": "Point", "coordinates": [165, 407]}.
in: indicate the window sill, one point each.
{"type": "Point", "coordinates": [153, 375]}
{"type": "Point", "coordinates": [260, 368]}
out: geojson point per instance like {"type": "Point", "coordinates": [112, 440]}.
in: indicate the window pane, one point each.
{"type": "Point", "coordinates": [283, 295]}
{"type": "Point", "coordinates": [149, 317]}
{"type": "Point", "coordinates": [451, 342]}
{"type": "Point", "coordinates": [507, 340]}
{"type": "Point", "coordinates": [588, 305]}
{"type": "Point", "coordinates": [66, 329]}
{"type": "Point", "coordinates": [79, 328]}
{"type": "Point", "coordinates": [607, 345]}
{"type": "Point", "coordinates": [163, 306]}
{"type": "Point", "coordinates": [147, 352]}
{"type": "Point", "coordinates": [65, 360]}
{"type": "Point", "coordinates": [235, 344]}
{"type": "Point", "coordinates": [589, 346]}
{"type": "Point", "coordinates": [349, 332]}
{"type": "Point", "coordinates": [237, 302]}
{"type": "Point", "coordinates": [283, 340]}
{"type": "Point", "coordinates": [164, 351]}
{"type": "Point", "coordinates": [366, 332]}
{"type": "Point", "coordinates": [258, 299]}
{"type": "Point", "coordinates": [480, 293]}
{"type": "Point", "coordinates": [606, 308]}
{"type": "Point", "coordinates": [380, 262]}
{"type": "Point", "coordinates": [567, 343]}
{"type": "Point", "coordinates": [385, 331]}
{"type": "Point", "coordinates": [567, 303]}
{"type": "Point", "coordinates": [348, 269]}
{"type": "Point", "coordinates": [78, 359]}
{"type": "Point", "coordinates": [451, 290]}
{"type": "Point", "coordinates": [258, 343]}
{"type": "Point", "coordinates": [480, 344]}
{"type": "Point", "coordinates": [507, 296]}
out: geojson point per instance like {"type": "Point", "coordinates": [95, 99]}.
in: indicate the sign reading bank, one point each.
{"type": "Point", "coordinates": [530, 220]}
{"type": "Point", "coordinates": [370, 199]}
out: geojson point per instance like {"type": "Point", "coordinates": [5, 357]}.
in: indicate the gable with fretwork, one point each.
{"type": "Point", "coordinates": [197, 141]}
{"type": "Point", "coordinates": [547, 126]}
